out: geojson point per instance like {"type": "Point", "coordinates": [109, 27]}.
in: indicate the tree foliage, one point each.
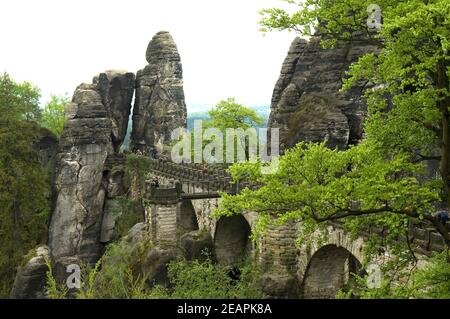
{"type": "Point", "coordinates": [53, 115]}
{"type": "Point", "coordinates": [206, 280]}
{"type": "Point", "coordinates": [230, 114]}
{"type": "Point", "coordinates": [227, 114]}
{"type": "Point", "coordinates": [314, 184]}
{"type": "Point", "coordinates": [409, 107]}
{"type": "Point", "coordinates": [19, 100]}
{"type": "Point", "coordinates": [24, 186]}
{"type": "Point", "coordinates": [429, 282]}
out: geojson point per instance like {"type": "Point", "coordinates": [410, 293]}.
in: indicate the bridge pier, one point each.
{"type": "Point", "coordinates": [278, 259]}
{"type": "Point", "coordinates": [163, 214]}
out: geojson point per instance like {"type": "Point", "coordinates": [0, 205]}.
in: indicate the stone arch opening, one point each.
{"type": "Point", "coordinates": [329, 270]}
{"type": "Point", "coordinates": [231, 240]}
{"type": "Point", "coordinates": [188, 218]}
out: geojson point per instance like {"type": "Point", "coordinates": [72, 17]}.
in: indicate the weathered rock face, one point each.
{"type": "Point", "coordinates": [116, 89]}
{"type": "Point", "coordinates": [154, 266]}
{"type": "Point", "coordinates": [84, 145]}
{"type": "Point", "coordinates": [31, 279]}
{"type": "Point", "coordinates": [114, 188]}
{"type": "Point", "coordinates": [279, 285]}
{"type": "Point", "coordinates": [48, 148]}
{"type": "Point", "coordinates": [136, 234]}
{"type": "Point", "coordinates": [159, 105]}
{"type": "Point", "coordinates": [306, 102]}
{"type": "Point", "coordinates": [196, 244]}
{"type": "Point", "coordinates": [96, 126]}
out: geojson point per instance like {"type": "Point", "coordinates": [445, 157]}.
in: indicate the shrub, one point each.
{"type": "Point", "coordinates": [206, 280]}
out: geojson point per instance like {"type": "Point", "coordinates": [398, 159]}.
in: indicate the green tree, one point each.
{"type": "Point", "coordinates": [19, 100]}
{"type": "Point", "coordinates": [53, 115]}
{"type": "Point", "coordinates": [204, 279]}
{"type": "Point", "coordinates": [228, 114]}
{"type": "Point", "coordinates": [314, 184]}
{"type": "Point", "coordinates": [24, 186]}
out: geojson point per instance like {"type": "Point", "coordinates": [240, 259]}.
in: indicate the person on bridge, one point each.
{"type": "Point", "coordinates": [442, 216]}
{"type": "Point", "coordinates": [153, 153]}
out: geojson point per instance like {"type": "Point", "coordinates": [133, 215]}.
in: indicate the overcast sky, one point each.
{"type": "Point", "coordinates": [58, 44]}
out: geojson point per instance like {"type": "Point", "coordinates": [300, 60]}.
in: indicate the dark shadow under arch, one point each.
{"type": "Point", "coordinates": [328, 271]}
{"type": "Point", "coordinates": [188, 218]}
{"type": "Point", "coordinates": [231, 240]}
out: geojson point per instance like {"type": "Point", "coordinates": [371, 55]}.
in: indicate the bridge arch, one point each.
{"type": "Point", "coordinates": [231, 240]}
{"type": "Point", "coordinates": [328, 271]}
{"type": "Point", "coordinates": [336, 236]}
{"type": "Point", "coordinates": [188, 217]}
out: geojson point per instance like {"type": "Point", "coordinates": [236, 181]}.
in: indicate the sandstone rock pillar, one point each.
{"type": "Point", "coordinates": [159, 106]}
{"type": "Point", "coordinates": [96, 125]}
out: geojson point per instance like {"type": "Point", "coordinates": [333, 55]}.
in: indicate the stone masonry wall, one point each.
{"type": "Point", "coordinates": [163, 223]}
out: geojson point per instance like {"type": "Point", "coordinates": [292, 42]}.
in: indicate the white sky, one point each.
{"type": "Point", "coordinates": [58, 44]}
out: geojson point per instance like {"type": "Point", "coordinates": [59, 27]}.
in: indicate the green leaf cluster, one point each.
{"type": "Point", "coordinates": [53, 115]}
{"type": "Point", "coordinates": [314, 184]}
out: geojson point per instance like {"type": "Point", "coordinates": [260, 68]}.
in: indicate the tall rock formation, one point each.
{"type": "Point", "coordinates": [96, 125]}
{"type": "Point", "coordinates": [84, 145]}
{"type": "Point", "coordinates": [306, 102]}
{"type": "Point", "coordinates": [159, 105]}
{"type": "Point", "coordinates": [116, 89]}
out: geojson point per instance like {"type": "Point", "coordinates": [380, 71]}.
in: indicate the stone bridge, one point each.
{"type": "Point", "coordinates": [187, 195]}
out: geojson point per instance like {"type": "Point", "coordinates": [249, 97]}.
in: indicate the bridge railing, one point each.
{"type": "Point", "coordinates": [199, 180]}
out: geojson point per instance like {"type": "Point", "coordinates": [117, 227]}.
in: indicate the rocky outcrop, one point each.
{"type": "Point", "coordinates": [114, 182]}
{"type": "Point", "coordinates": [31, 278]}
{"type": "Point", "coordinates": [154, 266]}
{"type": "Point", "coordinates": [96, 126]}
{"type": "Point", "coordinates": [137, 234]}
{"type": "Point", "coordinates": [159, 105]}
{"type": "Point", "coordinates": [196, 244]}
{"type": "Point", "coordinates": [279, 285]}
{"type": "Point", "coordinates": [306, 102]}
{"type": "Point", "coordinates": [116, 89]}
{"type": "Point", "coordinates": [84, 145]}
